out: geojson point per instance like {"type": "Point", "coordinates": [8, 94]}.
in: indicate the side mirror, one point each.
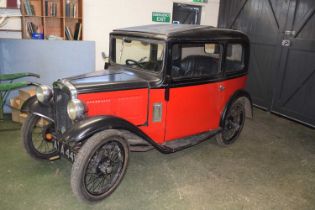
{"type": "Point", "coordinates": [107, 64]}
{"type": "Point", "coordinates": [104, 55]}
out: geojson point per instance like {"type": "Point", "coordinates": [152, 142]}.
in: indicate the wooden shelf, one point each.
{"type": "Point", "coordinates": [10, 30]}
{"type": "Point", "coordinates": [75, 18]}
{"type": "Point", "coordinates": [52, 17]}
{"type": "Point", "coordinates": [31, 16]}
{"type": "Point", "coordinates": [13, 8]}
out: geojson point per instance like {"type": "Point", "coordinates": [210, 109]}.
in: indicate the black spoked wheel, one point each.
{"type": "Point", "coordinates": [233, 124]}
{"type": "Point", "coordinates": [99, 166]}
{"type": "Point", "coordinates": [104, 168]}
{"type": "Point", "coordinates": [37, 137]}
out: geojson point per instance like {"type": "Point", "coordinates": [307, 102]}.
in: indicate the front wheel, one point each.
{"type": "Point", "coordinates": [99, 166]}
{"type": "Point", "coordinates": [37, 137]}
{"type": "Point", "coordinates": [232, 124]}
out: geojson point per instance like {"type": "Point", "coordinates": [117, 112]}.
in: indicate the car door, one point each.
{"type": "Point", "coordinates": [234, 72]}
{"type": "Point", "coordinates": [194, 89]}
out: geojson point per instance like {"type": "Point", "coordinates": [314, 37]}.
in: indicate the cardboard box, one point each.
{"type": "Point", "coordinates": [42, 122]}
{"type": "Point", "coordinates": [22, 117]}
{"type": "Point", "coordinates": [16, 115]}
{"type": "Point", "coordinates": [16, 103]}
{"type": "Point", "coordinates": [25, 94]}
{"type": "Point", "coordinates": [19, 117]}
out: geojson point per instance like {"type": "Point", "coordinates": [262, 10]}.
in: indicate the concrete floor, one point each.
{"type": "Point", "coordinates": [272, 166]}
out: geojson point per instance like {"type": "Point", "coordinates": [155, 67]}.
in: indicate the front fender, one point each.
{"type": "Point", "coordinates": [84, 129]}
{"type": "Point", "coordinates": [88, 127]}
{"type": "Point", "coordinates": [33, 106]}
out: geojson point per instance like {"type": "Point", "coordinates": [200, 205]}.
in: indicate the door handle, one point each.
{"type": "Point", "coordinates": [286, 43]}
{"type": "Point", "coordinates": [221, 88]}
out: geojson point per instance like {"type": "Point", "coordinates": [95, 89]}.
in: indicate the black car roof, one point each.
{"type": "Point", "coordinates": [180, 31]}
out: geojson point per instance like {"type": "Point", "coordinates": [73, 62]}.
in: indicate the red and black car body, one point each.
{"type": "Point", "coordinates": [181, 101]}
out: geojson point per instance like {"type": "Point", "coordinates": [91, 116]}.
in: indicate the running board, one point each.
{"type": "Point", "coordinates": [140, 148]}
{"type": "Point", "coordinates": [183, 143]}
{"type": "Point", "coordinates": [142, 144]}
{"type": "Point", "coordinates": [136, 144]}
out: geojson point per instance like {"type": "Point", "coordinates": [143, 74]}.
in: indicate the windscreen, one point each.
{"type": "Point", "coordinates": [138, 54]}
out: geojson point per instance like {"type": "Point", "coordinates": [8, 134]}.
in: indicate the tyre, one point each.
{"type": "Point", "coordinates": [37, 139]}
{"type": "Point", "coordinates": [99, 166]}
{"type": "Point", "coordinates": [232, 124]}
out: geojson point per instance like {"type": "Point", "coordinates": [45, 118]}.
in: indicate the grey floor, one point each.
{"type": "Point", "coordinates": [272, 166]}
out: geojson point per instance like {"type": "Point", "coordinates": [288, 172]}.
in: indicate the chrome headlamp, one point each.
{"type": "Point", "coordinates": [44, 93]}
{"type": "Point", "coordinates": [75, 109]}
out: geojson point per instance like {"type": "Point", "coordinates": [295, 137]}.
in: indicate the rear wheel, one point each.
{"type": "Point", "coordinates": [99, 166]}
{"type": "Point", "coordinates": [232, 124]}
{"type": "Point", "coordinates": [37, 137]}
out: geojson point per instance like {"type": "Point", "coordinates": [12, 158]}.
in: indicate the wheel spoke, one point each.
{"type": "Point", "coordinates": [40, 144]}
{"type": "Point", "coordinates": [104, 168]}
{"type": "Point", "coordinates": [99, 184]}
{"type": "Point", "coordinates": [91, 179]}
{"type": "Point", "coordinates": [93, 183]}
{"type": "Point", "coordinates": [46, 146]}
{"type": "Point", "coordinates": [233, 122]}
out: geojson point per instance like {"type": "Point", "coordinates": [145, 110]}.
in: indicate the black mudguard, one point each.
{"type": "Point", "coordinates": [32, 105]}
{"type": "Point", "coordinates": [248, 104]}
{"type": "Point", "coordinates": [84, 129]}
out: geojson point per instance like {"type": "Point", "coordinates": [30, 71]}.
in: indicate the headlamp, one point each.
{"type": "Point", "coordinates": [44, 93]}
{"type": "Point", "coordinates": [75, 109]}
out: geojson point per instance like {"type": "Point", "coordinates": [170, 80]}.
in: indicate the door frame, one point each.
{"type": "Point", "coordinates": [188, 5]}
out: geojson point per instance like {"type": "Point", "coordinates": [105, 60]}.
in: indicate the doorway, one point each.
{"type": "Point", "coordinates": [282, 68]}
{"type": "Point", "coordinates": [186, 14]}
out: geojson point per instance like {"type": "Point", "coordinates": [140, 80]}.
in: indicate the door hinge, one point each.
{"type": "Point", "coordinates": [290, 33]}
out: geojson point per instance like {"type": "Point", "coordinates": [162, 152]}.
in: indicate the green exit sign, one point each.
{"type": "Point", "coordinates": [200, 1]}
{"type": "Point", "coordinates": [163, 17]}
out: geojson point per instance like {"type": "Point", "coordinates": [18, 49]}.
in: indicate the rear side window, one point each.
{"type": "Point", "coordinates": [195, 60]}
{"type": "Point", "coordinates": [234, 60]}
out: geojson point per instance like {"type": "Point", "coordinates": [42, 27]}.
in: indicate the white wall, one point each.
{"type": "Point", "coordinates": [102, 16]}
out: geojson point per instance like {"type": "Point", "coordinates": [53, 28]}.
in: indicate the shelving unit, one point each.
{"type": "Point", "coordinates": [11, 25]}
{"type": "Point", "coordinates": [8, 8]}
{"type": "Point", "coordinates": [52, 17]}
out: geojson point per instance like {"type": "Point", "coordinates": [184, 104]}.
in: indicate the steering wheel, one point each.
{"type": "Point", "coordinates": [133, 62]}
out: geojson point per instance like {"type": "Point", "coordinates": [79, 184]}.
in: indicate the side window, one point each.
{"type": "Point", "coordinates": [234, 58]}
{"type": "Point", "coordinates": [195, 60]}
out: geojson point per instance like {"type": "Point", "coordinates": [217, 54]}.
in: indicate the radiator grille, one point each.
{"type": "Point", "coordinates": [63, 122]}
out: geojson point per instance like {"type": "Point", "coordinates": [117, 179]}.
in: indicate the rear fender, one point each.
{"type": "Point", "coordinates": [245, 98]}
{"type": "Point", "coordinates": [33, 106]}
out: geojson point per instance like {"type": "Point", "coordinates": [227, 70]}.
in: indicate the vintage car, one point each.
{"type": "Point", "coordinates": [165, 87]}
